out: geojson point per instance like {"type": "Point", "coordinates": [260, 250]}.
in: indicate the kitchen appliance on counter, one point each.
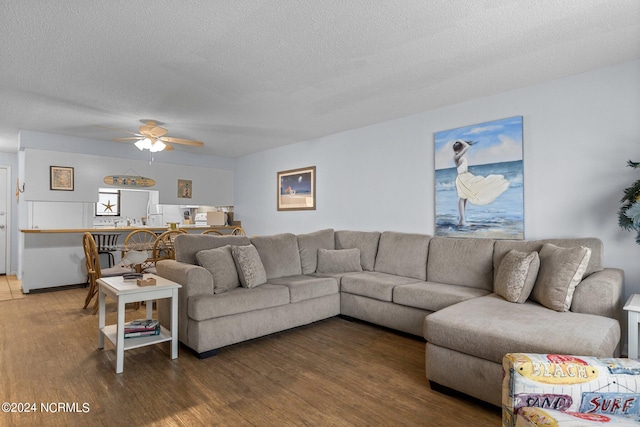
{"type": "Point", "coordinates": [201, 219]}
{"type": "Point", "coordinates": [211, 218]}
{"type": "Point", "coordinates": [216, 218]}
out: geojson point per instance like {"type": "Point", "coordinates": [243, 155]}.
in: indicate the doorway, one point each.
{"type": "Point", "coordinates": [4, 217]}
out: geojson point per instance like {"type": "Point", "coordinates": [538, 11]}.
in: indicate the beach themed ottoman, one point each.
{"type": "Point", "coordinates": [569, 391]}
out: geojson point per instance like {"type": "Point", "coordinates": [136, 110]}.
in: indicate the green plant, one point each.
{"type": "Point", "coordinates": [629, 213]}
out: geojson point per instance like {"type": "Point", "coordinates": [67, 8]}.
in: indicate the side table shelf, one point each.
{"type": "Point", "coordinates": [111, 332]}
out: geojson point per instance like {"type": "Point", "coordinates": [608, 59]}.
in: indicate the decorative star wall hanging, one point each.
{"type": "Point", "coordinates": [108, 206]}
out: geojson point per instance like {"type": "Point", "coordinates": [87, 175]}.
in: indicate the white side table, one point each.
{"type": "Point", "coordinates": [124, 292]}
{"type": "Point", "coordinates": [633, 307]}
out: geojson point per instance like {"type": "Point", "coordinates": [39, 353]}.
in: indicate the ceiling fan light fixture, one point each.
{"type": "Point", "coordinates": [157, 146]}
{"type": "Point", "coordinates": [144, 144]}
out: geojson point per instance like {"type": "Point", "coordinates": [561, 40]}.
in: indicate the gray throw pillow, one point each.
{"type": "Point", "coordinates": [308, 244]}
{"type": "Point", "coordinates": [219, 262]}
{"type": "Point", "coordinates": [338, 261]}
{"type": "Point", "coordinates": [561, 269]}
{"type": "Point", "coordinates": [250, 269]}
{"type": "Point", "coordinates": [516, 275]}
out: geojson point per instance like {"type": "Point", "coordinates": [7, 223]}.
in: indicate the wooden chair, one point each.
{"type": "Point", "coordinates": [92, 262]}
{"type": "Point", "coordinates": [238, 231]}
{"type": "Point", "coordinates": [142, 240]}
{"type": "Point", "coordinates": [212, 231]}
{"type": "Point", "coordinates": [163, 248]}
{"type": "Point", "coordinates": [106, 244]}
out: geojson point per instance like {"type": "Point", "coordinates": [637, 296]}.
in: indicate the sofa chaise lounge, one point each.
{"type": "Point", "coordinates": [469, 298]}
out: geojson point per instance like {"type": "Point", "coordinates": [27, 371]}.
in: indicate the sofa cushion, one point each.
{"type": "Point", "coordinates": [366, 241]}
{"type": "Point", "coordinates": [434, 296]}
{"type": "Point", "coordinates": [338, 261]}
{"type": "Point", "coordinates": [561, 269]}
{"type": "Point", "coordinates": [485, 328]}
{"type": "Point", "coordinates": [464, 262]}
{"type": "Point", "coordinates": [250, 269]}
{"type": "Point", "coordinates": [238, 300]}
{"type": "Point", "coordinates": [219, 262]}
{"type": "Point", "coordinates": [403, 254]}
{"type": "Point", "coordinates": [373, 285]}
{"type": "Point", "coordinates": [516, 275]}
{"type": "Point", "coordinates": [279, 253]}
{"type": "Point", "coordinates": [309, 244]}
{"type": "Point", "coordinates": [305, 287]}
{"type": "Point", "coordinates": [188, 245]}
{"type": "Point", "coordinates": [501, 248]}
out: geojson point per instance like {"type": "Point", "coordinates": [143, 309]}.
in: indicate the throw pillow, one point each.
{"type": "Point", "coordinates": [250, 269]}
{"type": "Point", "coordinates": [219, 262]}
{"type": "Point", "coordinates": [561, 269]}
{"type": "Point", "coordinates": [517, 275]}
{"type": "Point", "coordinates": [309, 244]}
{"type": "Point", "coordinates": [338, 261]}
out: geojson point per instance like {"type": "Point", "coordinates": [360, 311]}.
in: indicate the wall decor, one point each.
{"type": "Point", "coordinates": [297, 189]}
{"type": "Point", "coordinates": [19, 190]}
{"type": "Point", "coordinates": [185, 188]}
{"type": "Point", "coordinates": [129, 181]}
{"type": "Point", "coordinates": [479, 180]}
{"type": "Point", "coordinates": [61, 178]}
{"type": "Point", "coordinates": [108, 202]}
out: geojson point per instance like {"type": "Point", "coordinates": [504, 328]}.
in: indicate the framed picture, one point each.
{"type": "Point", "coordinates": [297, 189]}
{"type": "Point", "coordinates": [479, 180]}
{"type": "Point", "coordinates": [61, 178]}
{"type": "Point", "coordinates": [185, 188]}
{"type": "Point", "coordinates": [108, 202]}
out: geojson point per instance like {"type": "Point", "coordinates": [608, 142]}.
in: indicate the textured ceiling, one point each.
{"type": "Point", "coordinates": [248, 75]}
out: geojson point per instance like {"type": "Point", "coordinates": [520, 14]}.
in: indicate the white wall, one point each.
{"type": "Point", "coordinates": [579, 133]}
{"type": "Point", "coordinates": [210, 186]}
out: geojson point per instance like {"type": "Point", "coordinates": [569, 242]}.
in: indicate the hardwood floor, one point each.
{"type": "Point", "coordinates": [331, 373]}
{"type": "Point", "coordinates": [10, 288]}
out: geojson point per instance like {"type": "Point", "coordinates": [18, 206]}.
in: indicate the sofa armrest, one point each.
{"type": "Point", "coordinates": [195, 280]}
{"type": "Point", "coordinates": [600, 293]}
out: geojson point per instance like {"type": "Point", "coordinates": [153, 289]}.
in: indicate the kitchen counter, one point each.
{"type": "Point", "coordinates": [55, 257]}
{"type": "Point", "coordinates": [188, 227]}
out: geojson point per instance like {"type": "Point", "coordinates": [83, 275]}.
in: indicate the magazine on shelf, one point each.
{"type": "Point", "coordinates": [148, 333]}
{"type": "Point", "coordinates": [141, 325]}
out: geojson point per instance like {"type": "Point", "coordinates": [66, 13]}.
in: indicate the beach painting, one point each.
{"type": "Point", "coordinates": [297, 189]}
{"type": "Point", "coordinates": [479, 180]}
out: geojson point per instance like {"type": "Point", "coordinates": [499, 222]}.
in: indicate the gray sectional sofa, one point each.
{"type": "Point", "coordinates": [236, 288]}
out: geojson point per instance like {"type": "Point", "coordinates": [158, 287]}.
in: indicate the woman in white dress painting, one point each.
{"type": "Point", "coordinates": [478, 190]}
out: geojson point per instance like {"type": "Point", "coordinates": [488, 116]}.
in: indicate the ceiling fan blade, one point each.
{"type": "Point", "coordinates": [128, 138]}
{"type": "Point", "coordinates": [119, 130]}
{"type": "Point", "coordinates": [168, 147]}
{"type": "Point", "coordinates": [146, 128]}
{"type": "Point", "coordinates": [182, 141]}
{"type": "Point", "coordinates": [158, 131]}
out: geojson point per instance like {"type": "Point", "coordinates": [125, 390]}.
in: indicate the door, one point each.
{"type": "Point", "coordinates": [4, 213]}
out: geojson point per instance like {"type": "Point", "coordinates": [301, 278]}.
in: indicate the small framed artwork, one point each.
{"type": "Point", "coordinates": [61, 178]}
{"type": "Point", "coordinates": [108, 202]}
{"type": "Point", "coordinates": [297, 189]}
{"type": "Point", "coordinates": [185, 188]}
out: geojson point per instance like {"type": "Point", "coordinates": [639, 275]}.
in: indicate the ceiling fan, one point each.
{"type": "Point", "coordinates": [152, 137]}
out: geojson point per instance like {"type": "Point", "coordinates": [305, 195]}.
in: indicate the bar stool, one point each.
{"type": "Point", "coordinates": [106, 244]}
